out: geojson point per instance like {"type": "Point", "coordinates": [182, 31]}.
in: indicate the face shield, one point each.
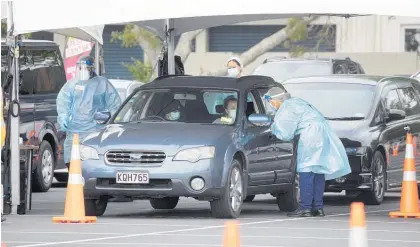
{"type": "Point", "coordinates": [84, 69]}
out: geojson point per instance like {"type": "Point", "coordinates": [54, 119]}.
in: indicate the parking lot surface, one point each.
{"type": "Point", "coordinates": [190, 224]}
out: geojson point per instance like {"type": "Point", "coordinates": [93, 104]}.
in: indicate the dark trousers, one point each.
{"type": "Point", "coordinates": [312, 187]}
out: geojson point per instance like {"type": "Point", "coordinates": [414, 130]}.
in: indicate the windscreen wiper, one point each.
{"type": "Point", "coordinates": [345, 118]}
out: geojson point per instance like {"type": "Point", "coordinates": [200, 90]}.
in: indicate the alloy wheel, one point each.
{"type": "Point", "coordinates": [235, 189]}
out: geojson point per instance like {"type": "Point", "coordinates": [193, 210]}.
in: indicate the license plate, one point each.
{"type": "Point", "coordinates": [132, 178]}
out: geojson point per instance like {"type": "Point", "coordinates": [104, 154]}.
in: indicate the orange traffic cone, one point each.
{"type": "Point", "coordinates": [358, 234]}
{"type": "Point", "coordinates": [409, 204]}
{"type": "Point", "coordinates": [231, 237]}
{"type": "Point", "coordinates": [74, 210]}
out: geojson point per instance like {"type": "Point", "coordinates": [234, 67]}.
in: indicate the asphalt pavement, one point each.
{"type": "Point", "coordinates": [190, 224]}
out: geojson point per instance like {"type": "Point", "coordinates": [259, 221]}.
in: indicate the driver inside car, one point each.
{"type": "Point", "coordinates": [174, 111]}
{"type": "Point", "coordinates": [230, 104]}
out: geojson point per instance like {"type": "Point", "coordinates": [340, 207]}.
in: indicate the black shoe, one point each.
{"type": "Point", "coordinates": [318, 212]}
{"type": "Point", "coordinates": [300, 213]}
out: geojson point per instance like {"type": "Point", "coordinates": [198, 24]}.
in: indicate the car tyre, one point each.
{"type": "Point", "coordinates": [249, 198]}
{"type": "Point", "coordinates": [289, 201]}
{"type": "Point", "coordinates": [230, 203]}
{"type": "Point", "coordinates": [95, 207]}
{"type": "Point", "coordinates": [44, 171]}
{"type": "Point", "coordinates": [164, 203]}
{"type": "Point", "coordinates": [376, 196]}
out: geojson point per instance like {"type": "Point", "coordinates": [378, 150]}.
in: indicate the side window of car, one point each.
{"type": "Point", "coordinates": [251, 105]}
{"type": "Point", "coordinates": [26, 76]}
{"type": "Point", "coordinates": [410, 101]}
{"type": "Point", "coordinates": [352, 68]}
{"type": "Point", "coordinates": [340, 68]}
{"type": "Point", "coordinates": [379, 114]}
{"type": "Point", "coordinates": [392, 101]}
{"type": "Point", "coordinates": [45, 62]}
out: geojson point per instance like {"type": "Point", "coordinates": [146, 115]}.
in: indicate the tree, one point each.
{"type": "Point", "coordinates": [133, 35]}
{"type": "Point", "coordinates": [295, 28]}
{"type": "Point", "coordinates": [4, 31]}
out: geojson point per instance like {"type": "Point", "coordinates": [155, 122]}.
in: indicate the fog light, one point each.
{"type": "Point", "coordinates": [197, 183]}
{"type": "Point", "coordinates": [340, 180]}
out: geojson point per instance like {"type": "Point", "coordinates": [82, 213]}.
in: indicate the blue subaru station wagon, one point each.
{"type": "Point", "coordinates": [190, 136]}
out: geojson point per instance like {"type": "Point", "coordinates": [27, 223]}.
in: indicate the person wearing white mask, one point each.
{"type": "Point", "coordinates": [234, 67]}
{"type": "Point", "coordinates": [229, 117]}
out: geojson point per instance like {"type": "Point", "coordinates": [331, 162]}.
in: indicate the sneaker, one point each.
{"type": "Point", "coordinates": [318, 212]}
{"type": "Point", "coordinates": [300, 213]}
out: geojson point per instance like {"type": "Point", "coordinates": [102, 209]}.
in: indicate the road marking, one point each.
{"type": "Point", "coordinates": [370, 221]}
{"type": "Point", "coordinates": [147, 244]}
{"type": "Point", "coordinates": [180, 230]}
{"type": "Point", "coordinates": [289, 237]}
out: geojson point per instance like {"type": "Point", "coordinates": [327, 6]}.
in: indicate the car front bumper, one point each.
{"type": "Point", "coordinates": [360, 179]}
{"type": "Point", "coordinates": [169, 179]}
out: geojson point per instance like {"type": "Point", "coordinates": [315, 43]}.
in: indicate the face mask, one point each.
{"type": "Point", "coordinates": [233, 72]}
{"type": "Point", "coordinates": [232, 114]}
{"type": "Point", "coordinates": [173, 115]}
{"type": "Point", "coordinates": [84, 74]}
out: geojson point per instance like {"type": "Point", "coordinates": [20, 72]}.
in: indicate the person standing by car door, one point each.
{"type": "Point", "coordinates": [320, 154]}
{"type": "Point", "coordinates": [80, 99]}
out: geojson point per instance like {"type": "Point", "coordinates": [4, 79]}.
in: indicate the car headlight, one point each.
{"type": "Point", "coordinates": [88, 153]}
{"type": "Point", "coordinates": [358, 150]}
{"type": "Point", "coordinates": [195, 154]}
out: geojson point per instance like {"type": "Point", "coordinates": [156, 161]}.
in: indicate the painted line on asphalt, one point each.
{"type": "Point", "coordinates": [141, 244]}
{"type": "Point", "coordinates": [372, 221]}
{"type": "Point", "coordinates": [180, 230]}
{"type": "Point", "coordinates": [288, 237]}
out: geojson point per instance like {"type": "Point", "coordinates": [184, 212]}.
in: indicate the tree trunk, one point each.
{"type": "Point", "coordinates": [184, 47]}
{"type": "Point", "coordinates": [262, 47]}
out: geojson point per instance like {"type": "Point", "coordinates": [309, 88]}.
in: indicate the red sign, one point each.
{"type": "Point", "coordinates": [75, 48]}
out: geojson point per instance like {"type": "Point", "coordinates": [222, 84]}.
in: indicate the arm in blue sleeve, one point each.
{"type": "Point", "coordinates": [285, 123]}
{"type": "Point", "coordinates": [64, 102]}
{"type": "Point", "coordinates": [113, 100]}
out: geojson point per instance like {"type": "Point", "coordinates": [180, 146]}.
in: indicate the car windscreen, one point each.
{"type": "Point", "coordinates": [346, 101]}
{"type": "Point", "coordinates": [180, 105]}
{"type": "Point", "coordinates": [284, 70]}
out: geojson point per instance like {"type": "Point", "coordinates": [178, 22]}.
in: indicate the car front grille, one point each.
{"type": "Point", "coordinates": [135, 157]}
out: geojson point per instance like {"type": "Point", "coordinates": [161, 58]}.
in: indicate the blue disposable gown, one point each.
{"type": "Point", "coordinates": [319, 148]}
{"type": "Point", "coordinates": [78, 101]}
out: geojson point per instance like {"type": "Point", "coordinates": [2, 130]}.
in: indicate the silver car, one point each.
{"type": "Point", "coordinates": [148, 152]}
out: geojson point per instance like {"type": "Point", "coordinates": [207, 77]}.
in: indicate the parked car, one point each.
{"type": "Point", "coordinates": [283, 68]}
{"type": "Point", "coordinates": [125, 87]}
{"type": "Point", "coordinates": [369, 114]}
{"type": "Point", "coordinates": [42, 76]}
{"type": "Point", "coordinates": [142, 155]}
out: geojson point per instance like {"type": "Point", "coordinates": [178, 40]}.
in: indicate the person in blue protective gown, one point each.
{"type": "Point", "coordinates": [78, 101]}
{"type": "Point", "coordinates": [320, 153]}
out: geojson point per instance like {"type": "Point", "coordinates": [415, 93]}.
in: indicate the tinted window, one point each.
{"type": "Point", "coordinates": [336, 100]}
{"type": "Point", "coordinates": [392, 101]}
{"type": "Point", "coordinates": [48, 64]}
{"type": "Point", "coordinates": [284, 70]}
{"type": "Point", "coordinates": [188, 105]}
{"type": "Point", "coordinates": [26, 84]}
{"type": "Point", "coordinates": [410, 101]}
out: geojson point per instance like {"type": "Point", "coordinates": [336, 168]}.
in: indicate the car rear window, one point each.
{"type": "Point", "coordinates": [336, 100]}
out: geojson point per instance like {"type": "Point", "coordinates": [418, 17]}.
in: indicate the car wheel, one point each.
{"type": "Point", "coordinates": [164, 203]}
{"type": "Point", "coordinates": [289, 201]}
{"type": "Point", "coordinates": [95, 207]}
{"type": "Point", "coordinates": [249, 198]}
{"type": "Point", "coordinates": [44, 172]}
{"type": "Point", "coordinates": [376, 196]}
{"type": "Point", "coordinates": [230, 203]}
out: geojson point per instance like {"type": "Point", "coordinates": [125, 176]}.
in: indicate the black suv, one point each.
{"type": "Point", "coordinates": [42, 76]}
{"type": "Point", "coordinates": [283, 68]}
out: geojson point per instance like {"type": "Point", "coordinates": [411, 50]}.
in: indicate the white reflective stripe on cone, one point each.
{"type": "Point", "coordinates": [410, 176]}
{"type": "Point", "coordinates": [76, 179]}
{"type": "Point", "coordinates": [75, 152]}
{"type": "Point", "coordinates": [358, 237]}
{"type": "Point", "coordinates": [409, 151]}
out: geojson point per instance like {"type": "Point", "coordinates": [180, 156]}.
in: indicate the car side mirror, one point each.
{"type": "Point", "coordinates": [102, 117]}
{"type": "Point", "coordinates": [395, 114]}
{"type": "Point", "coordinates": [260, 119]}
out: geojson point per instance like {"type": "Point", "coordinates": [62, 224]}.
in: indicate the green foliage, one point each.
{"type": "Point", "coordinates": [297, 30]}
{"type": "Point", "coordinates": [132, 36]}
{"type": "Point", "coordinates": [4, 31]}
{"type": "Point", "coordinates": [141, 71]}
